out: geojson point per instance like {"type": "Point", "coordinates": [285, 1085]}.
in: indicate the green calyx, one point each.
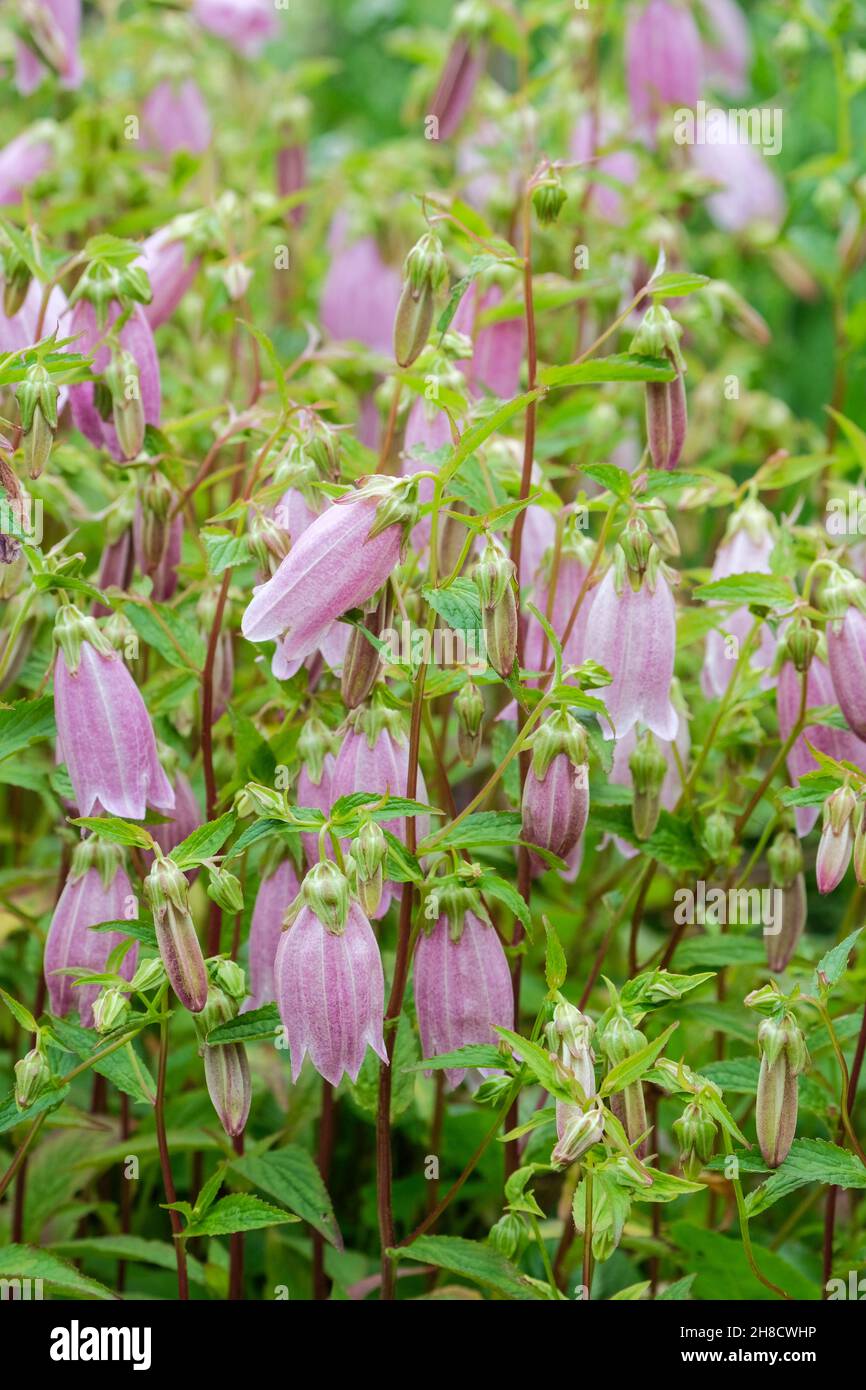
{"type": "Point", "coordinates": [637, 558]}
{"type": "Point", "coordinates": [396, 502]}
{"type": "Point", "coordinates": [314, 742]}
{"type": "Point", "coordinates": [801, 642]}
{"type": "Point", "coordinates": [451, 899]}
{"type": "Point", "coordinates": [426, 266]}
{"type": "Point", "coordinates": [166, 886]}
{"type": "Point", "coordinates": [325, 891]}
{"type": "Point", "coordinates": [842, 591]}
{"type": "Point", "coordinates": [71, 628]}
{"type": "Point", "coordinates": [621, 1039]}
{"type": "Point", "coordinates": [659, 336]}
{"type": "Point", "coordinates": [37, 392]}
{"type": "Point", "coordinates": [371, 719]}
{"type": "Point", "coordinates": [493, 575]}
{"type": "Point", "coordinates": [785, 859]}
{"type": "Point", "coordinates": [561, 733]}
{"type": "Point", "coordinates": [95, 853]}
{"type": "Point", "coordinates": [781, 1037]}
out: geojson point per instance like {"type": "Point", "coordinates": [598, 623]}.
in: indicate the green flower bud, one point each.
{"type": "Point", "coordinates": [785, 859]}
{"type": "Point", "coordinates": [150, 974]}
{"type": "Point", "coordinates": [561, 733]}
{"type": "Point", "coordinates": [506, 1236]}
{"type": "Point", "coordinates": [325, 890]}
{"type": "Point", "coordinates": [123, 379]}
{"type": "Point", "coordinates": [718, 837]}
{"type": "Point", "coordinates": [494, 577]}
{"type": "Point", "coordinates": [621, 1039]}
{"type": "Point", "coordinates": [32, 1078]}
{"type": "Point", "coordinates": [696, 1133]}
{"type": "Point", "coordinates": [109, 1009]}
{"type": "Point", "coordinates": [425, 271]}
{"type": "Point", "coordinates": [37, 402]}
{"type": "Point", "coordinates": [801, 641]}
{"type": "Point", "coordinates": [648, 767]}
{"type": "Point", "coordinates": [225, 890]}
{"type": "Point", "coordinates": [231, 979]}
{"type": "Point", "coordinates": [469, 709]}
{"type": "Point", "coordinates": [548, 199]}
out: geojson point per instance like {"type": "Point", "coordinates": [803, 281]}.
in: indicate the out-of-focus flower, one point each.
{"type": "Point", "coordinates": [783, 1057]}
{"type": "Point", "coordinates": [175, 117]}
{"type": "Point", "coordinates": [746, 548]}
{"type": "Point", "coordinates": [103, 727]}
{"type": "Point", "coordinates": [53, 30]}
{"type": "Point", "coordinates": [21, 163]}
{"type": "Point", "coordinates": [785, 860]}
{"type": "Point", "coordinates": [170, 271]}
{"type": "Point", "coordinates": [97, 889]}
{"type": "Point", "coordinates": [569, 570]}
{"type": "Point", "coordinates": [462, 983]}
{"type": "Point", "coordinates": [329, 982]}
{"type": "Point", "coordinates": [837, 838]}
{"type": "Point", "coordinates": [620, 166]}
{"type": "Point", "coordinates": [749, 193]}
{"type": "Point", "coordinates": [246, 24]}
{"type": "Point", "coordinates": [360, 294]}
{"type": "Point", "coordinates": [497, 350]}
{"type": "Point", "coordinates": [727, 52]}
{"type": "Point", "coordinates": [463, 68]}
{"type": "Point", "coordinates": [844, 599]}
{"type": "Point", "coordinates": [663, 60]}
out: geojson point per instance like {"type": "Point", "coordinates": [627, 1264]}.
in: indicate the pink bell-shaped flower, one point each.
{"type": "Point", "coordinates": [632, 632]}
{"type": "Point", "coordinates": [462, 984]}
{"type": "Point", "coordinates": [360, 294]}
{"type": "Point", "coordinates": [749, 539]}
{"type": "Point", "coordinates": [570, 574]}
{"type": "Point", "coordinates": [170, 271]}
{"type": "Point", "coordinates": [727, 51]}
{"type": "Point", "coordinates": [140, 386]}
{"type": "Point", "coordinates": [844, 600]}
{"type": "Point", "coordinates": [96, 890]}
{"type": "Point", "coordinates": [555, 802]}
{"type": "Point", "coordinates": [339, 562]}
{"type": "Point", "coordinates": [246, 24]}
{"type": "Point", "coordinates": [21, 163]}
{"type": "Point", "coordinates": [329, 982]}
{"type": "Point", "coordinates": [590, 136]}
{"type": "Point", "coordinates": [277, 892]}
{"type": "Point", "coordinates": [103, 727]}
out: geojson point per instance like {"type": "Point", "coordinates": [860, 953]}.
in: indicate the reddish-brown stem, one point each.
{"type": "Point", "coordinates": [392, 1013]}
{"type": "Point", "coordinates": [165, 1164]}
{"type": "Point", "coordinates": [327, 1129]}
{"type": "Point", "coordinates": [236, 1244]}
{"type": "Point", "coordinates": [833, 1192]}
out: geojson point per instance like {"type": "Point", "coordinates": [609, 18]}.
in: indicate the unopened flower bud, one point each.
{"type": "Point", "coordinates": [801, 641]}
{"type": "Point", "coordinates": [507, 1235]}
{"type": "Point", "coordinates": [32, 1078]}
{"type": "Point", "coordinates": [123, 379]}
{"type": "Point", "coordinates": [696, 1132]}
{"type": "Point", "coordinates": [236, 278]}
{"type": "Point", "coordinates": [783, 1057]}
{"type": "Point", "coordinates": [837, 839]}
{"type": "Point", "coordinates": [150, 974]}
{"type": "Point", "coordinates": [109, 1010]}
{"type": "Point", "coordinates": [226, 1068]}
{"type": "Point", "coordinates": [494, 578]}
{"type": "Point", "coordinates": [621, 1039]}
{"type": "Point", "coordinates": [469, 708]}
{"type": "Point", "coordinates": [167, 893]}
{"type": "Point", "coordinates": [718, 837]}
{"type": "Point", "coordinates": [548, 199]}
{"type": "Point", "coordinates": [266, 801]}
{"type": "Point", "coordinates": [363, 660]}
{"type": "Point", "coordinates": [648, 767]}
{"type": "Point", "coordinates": [225, 890]}
{"type": "Point", "coordinates": [425, 270]}
{"type": "Point", "coordinates": [16, 281]}
{"type": "Point", "coordinates": [578, 1130]}
{"type": "Point", "coordinates": [325, 890]}
{"type": "Point", "coordinates": [37, 401]}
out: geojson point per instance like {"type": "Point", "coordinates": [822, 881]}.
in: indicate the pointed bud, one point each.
{"type": "Point", "coordinates": [425, 270]}
{"type": "Point", "coordinates": [648, 767]}
{"type": "Point", "coordinates": [123, 378]}
{"type": "Point", "coordinates": [109, 1010]}
{"type": "Point", "coordinates": [548, 199]}
{"type": "Point", "coordinates": [718, 837]}
{"type": "Point", "coordinates": [167, 893]}
{"type": "Point", "coordinates": [506, 1236]}
{"type": "Point", "coordinates": [37, 401]}
{"type": "Point", "coordinates": [469, 708]}
{"type": "Point", "coordinates": [225, 890]}
{"type": "Point", "coordinates": [494, 578]}
{"type": "Point", "coordinates": [325, 890]}
{"type": "Point", "coordinates": [579, 1130]}
{"type": "Point", "coordinates": [32, 1078]}
{"type": "Point", "coordinates": [801, 641]}
{"type": "Point", "coordinates": [363, 661]}
{"type": "Point", "coordinates": [696, 1132]}
{"type": "Point", "coordinates": [621, 1039]}
{"type": "Point", "coordinates": [149, 975]}
{"type": "Point", "coordinates": [837, 839]}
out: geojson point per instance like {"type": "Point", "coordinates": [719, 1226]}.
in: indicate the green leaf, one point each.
{"type": "Point", "coordinates": [618, 367]}
{"type": "Point", "coordinates": [24, 723]}
{"type": "Point", "coordinates": [133, 1249]}
{"type": "Point", "coordinates": [479, 1263]}
{"type": "Point", "coordinates": [763, 590]}
{"type": "Point", "coordinates": [809, 1160]}
{"type": "Point", "coordinates": [607, 475]}
{"type": "Point", "coordinates": [11, 1116]}
{"type": "Point", "coordinates": [674, 284]}
{"type": "Point", "coordinates": [491, 424]}
{"type": "Point", "coordinates": [723, 1271]}
{"type": "Point", "coordinates": [537, 1059]}
{"type": "Point", "coordinates": [460, 606]}
{"type": "Point", "coordinates": [254, 1026]}
{"type": "Point", "coordinates": [290, 1176]}
{"type": "Point", "coordinates": [224, 549]}
{"type": "Point", "coordinates": [719, 950]}
{"type": "Point", "coordinates": [672, 842]}
{"type": "Point", "coordinates": [19, 1013]}
{"type": "Point", "coordinates": [204, 842]}
{"type": "Point", "coordinates": [117, 1067]}
{"type": "Point", "coordinates": [493, 886]}
{"type": "Point", "coordinates": [633, 1068]}
{"type": "Point", "coordinates": [119, 832]}
{"type": "Point", "coordinates": [472, 1055]}
{"type": "Point", "coordinates": [479, 829]}
{"type": "Point", "coordinates": [833, 964]}
{"type": "Point", "coordinates": [238, 1212]}
{"type": "Point", "coordinates": [678, 1291]}
{"type": "Point", "coordinates": [177, 640]}
{"type": "Point", "coordinates": [24, 1262]}
{"type": "Point", "coordinates": [140, 931]}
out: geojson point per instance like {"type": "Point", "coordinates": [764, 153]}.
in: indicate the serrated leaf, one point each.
{"type": "Point", "coordinates": [133, 1249]}
{"type": "Point", "coordinates": [633, 1068]}
{"type": "Point", "coordinates": [290, 1175]}
{"type": "Point", "coordinates": [460, 606]}
{"type": "Point", "coordinates": [479, 1263]}
{"type": "Point", "coordinates": [720, 950]}
{"type": "Point", "coordinates": [833, 964]}
{"type": "Point", "coordinates": [504, 892]}
{"type": "Point", "coordinates": [607, 475]}
{"type": "Point", "coordinates": [809, 1160]}
{"type": "Point", "coordinates": [472, 1055]}
{"type": "Point", "coordinates": [25, 722]}
{"type": "Point", "coordinates": [238, 1212]}
{"type": "Point", "coordinates": [555, 963]}
{"type": "Point", "coordinates": [674, 284]}
{"type": "Point", "coordinates": [204, 842]}
{"type": "Point", "coordinates": [116, 1067]}
{"type": "Point", "coordinates": [254, 1026]}
{"type": "Point", "coordinates": [19, 1013]}
{"type": "Point", "coordinates": [224, 549]}
{"type": "Point", "coordinates": [480, 829]}
{"type": "Point", "coordinates": [723, 1272]}
{"type": "Point", "coordinates": [25, 1262]}
{"type": "Point", "coordinates": [119, 832]}
{"type": "Point", "coordinates": [140, 931]}
{"type": "Point", "coordinates": [11, 1116]}
{"type": "Point", "coordinates": [763, 590]}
